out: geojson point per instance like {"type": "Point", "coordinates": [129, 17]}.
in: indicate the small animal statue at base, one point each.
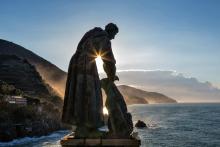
{"type": "Point", "coordinates": [120, 121]}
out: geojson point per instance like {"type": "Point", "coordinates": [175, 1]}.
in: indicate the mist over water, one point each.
{"type": "Point", "coordinates": [178, 125]}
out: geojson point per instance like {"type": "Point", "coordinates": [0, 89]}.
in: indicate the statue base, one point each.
{"type": "Point", "coordinates": [70, 140]}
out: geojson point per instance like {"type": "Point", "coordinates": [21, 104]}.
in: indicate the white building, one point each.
{"type": "Point", "coordinates": [16, 100]}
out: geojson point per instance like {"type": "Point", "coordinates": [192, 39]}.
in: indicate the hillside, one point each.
{"type": "Point", "coordinates": [55, 77]}
{"type": "Point", "coordinates": [133, 95]}
{"type": "Point", "coordinates": [21, 74]}
{"type": "Point", "coordinates": [36, 117]}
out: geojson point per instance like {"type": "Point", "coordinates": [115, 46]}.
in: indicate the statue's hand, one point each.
{"type": "Point", "coordinates": [116, 78]}
{"type": "Point", "coordinates": [113, 78]}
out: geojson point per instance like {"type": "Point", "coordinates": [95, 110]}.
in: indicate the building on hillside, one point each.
{"type": "Point", "coordinates": [16, 100]}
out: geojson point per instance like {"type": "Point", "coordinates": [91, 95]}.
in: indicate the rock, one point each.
{"type": "Point", "coordinates": [140, 124]}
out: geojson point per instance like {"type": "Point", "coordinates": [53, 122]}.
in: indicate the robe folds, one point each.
{"type": "Point", "coordinates": [83, 104]}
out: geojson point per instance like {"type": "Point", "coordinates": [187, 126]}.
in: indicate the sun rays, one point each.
{"type": "Point", "coordinates": [99, 64]}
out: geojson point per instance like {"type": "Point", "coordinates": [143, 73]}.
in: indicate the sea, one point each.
{"type": "Point", "coordinates": [169, 125]}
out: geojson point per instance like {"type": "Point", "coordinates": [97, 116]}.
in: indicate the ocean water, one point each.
{"type": "Point", "coordinates": [169, 125]}
{"type": "Point", "coordinates": [179, 125]}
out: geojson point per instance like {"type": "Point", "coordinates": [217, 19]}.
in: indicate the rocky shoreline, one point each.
{"type": "Point", "coordinates": [16, 131]}
{"type": "Point", "coordinates": [27, 121]}
{"type": "Point", "coordinates": [52, 139]}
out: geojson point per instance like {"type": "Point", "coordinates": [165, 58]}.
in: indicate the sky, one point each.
{"type": "Point", "coordinates": [166, 35]}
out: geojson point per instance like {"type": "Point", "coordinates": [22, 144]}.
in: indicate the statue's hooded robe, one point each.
{"type": "Point", "coordinates": [83, 103]}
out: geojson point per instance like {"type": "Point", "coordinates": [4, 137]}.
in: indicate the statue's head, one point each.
{"type": "Point", "coordinates": [112, 30]}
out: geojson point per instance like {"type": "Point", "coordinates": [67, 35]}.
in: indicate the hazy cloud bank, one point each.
{"type": "Point", "coordinates": [170, 83]}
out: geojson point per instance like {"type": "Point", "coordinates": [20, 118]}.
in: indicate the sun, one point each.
{"type": "Point", "coordinates": [99, 64]}
{"type": "Point", "coordinates": [105, 111]}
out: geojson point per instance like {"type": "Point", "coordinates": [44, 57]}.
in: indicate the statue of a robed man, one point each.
{"type": "Point", "coordinates": [83, 104]}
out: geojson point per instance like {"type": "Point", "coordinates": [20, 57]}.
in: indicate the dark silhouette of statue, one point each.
{"type": "Point", "coordinates": [83, 104]}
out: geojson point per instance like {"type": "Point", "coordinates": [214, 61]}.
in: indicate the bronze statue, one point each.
{"type": "Point", "coordinates": [83, 98]}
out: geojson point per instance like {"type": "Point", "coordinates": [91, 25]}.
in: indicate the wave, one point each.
{"type": "Point", "coordinates": [26, 140]}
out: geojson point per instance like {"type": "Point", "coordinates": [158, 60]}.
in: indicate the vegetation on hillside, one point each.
{"type": "Point", "coordinates": [6, 89]}
{"type": "Point", "coordinates": [27, 120]}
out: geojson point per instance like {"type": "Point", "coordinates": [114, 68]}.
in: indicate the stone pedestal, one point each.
{"type": "Point", "coordinates": [70, 141]}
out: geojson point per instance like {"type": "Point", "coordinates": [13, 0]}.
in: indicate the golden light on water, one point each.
{"type": "Point", "coordinates": [99, 64]}
{"type": "Point", "coordinates": [105, 111]}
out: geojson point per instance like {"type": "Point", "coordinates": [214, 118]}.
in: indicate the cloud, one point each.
{"type": "Point", "coordinates": [170, 83]}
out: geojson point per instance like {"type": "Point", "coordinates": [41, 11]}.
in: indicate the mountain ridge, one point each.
{"type": "Point", "coordinates": [56, 77]}
{"type": "Point", "coordinates": [150, 97]}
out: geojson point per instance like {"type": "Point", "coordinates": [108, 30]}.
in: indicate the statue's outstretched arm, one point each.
{"type": "Point", "coordinates": [110, 70]}
{"type": "Point", "coordinates": [109, 62]}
